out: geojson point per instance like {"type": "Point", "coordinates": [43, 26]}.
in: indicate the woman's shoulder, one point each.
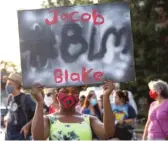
{"type": "Point", "coordinates": [153, 103]}
{"type": "Point", "coordinates": [166, 102]}
{"type": "Point", "coordinates": [52, 115]}
{"type": "Point", "coordinates": [129, 106]}
{"type": "Point", "coordinates": [51, 118]}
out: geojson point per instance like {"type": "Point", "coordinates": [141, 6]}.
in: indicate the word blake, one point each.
{"type": "Point", "coordinates": [84, 17]}
{"type": "Point", "coordinates": [61, 76]}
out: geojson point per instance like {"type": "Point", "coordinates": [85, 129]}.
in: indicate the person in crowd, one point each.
{"type": "Point", "coordinates": [124, 113]}
{"type": "Point", "coordinates": [101, 105]}
{"type": "Point", "coordinates": [130, 97]}
{"type": "Point", "coordinates": [52, 93]}
{"type": "Point", "coordinates": [21, 110]}
{"type": "Point", "coordinates": [78, 107]}
{"type": "Point", "coordinates": [81, 100]}
{"type": "Point", "coordinates": [80, 104]}
{"type": "Point", "coordinates": [68, 124]}
{"type": "Point", "coordinates": [156, 127]}
{"type": "Point", "coordinates": [91, 106]}
{"type": "Point", "coordinates": [46, 109]}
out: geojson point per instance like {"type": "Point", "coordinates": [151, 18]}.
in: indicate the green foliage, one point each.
{"type": "Point", "coordinates": [151, 54]}
{"type": "Point", "coordinates": [8, 67]}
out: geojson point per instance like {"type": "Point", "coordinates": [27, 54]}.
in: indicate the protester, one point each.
{"type": "Point", "coordinates": [52, 93]}
{"type": "Point", "coordinates": [130, 97]}
{"type": "Point", "coordinates": [46, 109]}
{"type": "Point", "coordinates": [79, 104]}
{"type": "Point", "coordinates": [68, 124]}
{"type": "Point", "coordinates": [156, 127]}
{"type": "Point", "coordinates": [81, 100]}
{"type": "Point", "coordinates": [101, 104]}
{"type": "Point", "coordinates": [21, 110]}
{"type": "Point", "coordinates": [91, 105]}
{"type": "Point", "coordinates": [124, 115]}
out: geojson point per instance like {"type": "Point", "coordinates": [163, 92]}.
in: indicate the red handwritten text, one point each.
{"type": "Point", "coordinates": [60, 76]}
{"type": "Point", "coordinates": [84, 17]}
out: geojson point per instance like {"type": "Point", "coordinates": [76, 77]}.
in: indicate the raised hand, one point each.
{"type": "Point", "coordinates": [108, 87]}
{"type": "Point", "coordinates": [37, 92]}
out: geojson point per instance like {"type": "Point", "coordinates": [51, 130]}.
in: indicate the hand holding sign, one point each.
{"type": "Point", "coordinates": [108, 87]}
{"type": "Point", "coordinates": [37, 93]}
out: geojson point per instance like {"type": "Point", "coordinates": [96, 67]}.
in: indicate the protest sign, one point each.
{"type": "Point", "coordinates": [76, 45]}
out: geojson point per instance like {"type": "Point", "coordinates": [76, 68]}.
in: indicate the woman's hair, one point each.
{"type": "Point", "coordinates": [83, 97]}
{"type": "Point", "coordinates": [159, 86]}
{"type": "Point", "coordinates": [87, 103]}
{"type": "Point", "coordinates": [123, 95]}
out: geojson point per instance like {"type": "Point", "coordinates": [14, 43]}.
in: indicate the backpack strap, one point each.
{"type": "Point", "coordinates": [10, 98]}
{"type": "Point", "coordinates": [23, 105]}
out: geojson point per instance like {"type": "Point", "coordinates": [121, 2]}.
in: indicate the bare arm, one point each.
{"type": "Point", "coordinates": [108, 117]}
{"type": "Point", "coordinates": [146, 130]}
{"type": "Point", "coordinates": [106, 129]}
{"type": "Point", "coordinates": [40, 124]}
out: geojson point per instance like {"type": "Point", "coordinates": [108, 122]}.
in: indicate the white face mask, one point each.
{"type": "Point", "coordinates": [48, 100]}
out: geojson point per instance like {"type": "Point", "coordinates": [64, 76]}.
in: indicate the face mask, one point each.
{"type": "Point", "coordinates": [153, 94]}
{"type": "Point", "coordinates": [68, 101]}
{"type": "Point", "coordinates": [9, 89]}
{"type": "Point", "coordinates": [93, 101]}
{"type": "Point", "coordinates": [48, 100]}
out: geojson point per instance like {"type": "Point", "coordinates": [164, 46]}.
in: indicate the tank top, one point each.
{"type": "Point", "coordinates": [70, 131]}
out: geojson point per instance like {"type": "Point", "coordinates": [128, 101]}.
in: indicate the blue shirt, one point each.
{"type": "Point", "coordinates": [123, 112]}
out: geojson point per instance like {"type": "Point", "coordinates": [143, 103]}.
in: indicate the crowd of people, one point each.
{"type": "Point", "coordinates": [64, 114]}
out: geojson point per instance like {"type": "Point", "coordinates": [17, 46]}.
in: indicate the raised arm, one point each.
{"type": "Point", "coordinates": [105, 130]}
{"type": "Point", "coordinates": [40, 124]}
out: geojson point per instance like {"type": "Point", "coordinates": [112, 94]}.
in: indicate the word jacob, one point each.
{"type": "Point", "coordinates": [61, 76]}
{"type": "Point", "coordinates": [98, 19]}
{"type": "Point", "coordinates": [76, 45]}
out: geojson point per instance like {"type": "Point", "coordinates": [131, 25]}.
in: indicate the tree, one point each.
{"type": "Point", "coordinates": [7, 68]}
{"type": "Point", "coordinates": [150, 35]}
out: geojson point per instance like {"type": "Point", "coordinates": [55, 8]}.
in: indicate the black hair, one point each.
{"type": "Point", "coordinates": [123, 95]}
{"type": "Point", "coordinates": [83, 97]}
